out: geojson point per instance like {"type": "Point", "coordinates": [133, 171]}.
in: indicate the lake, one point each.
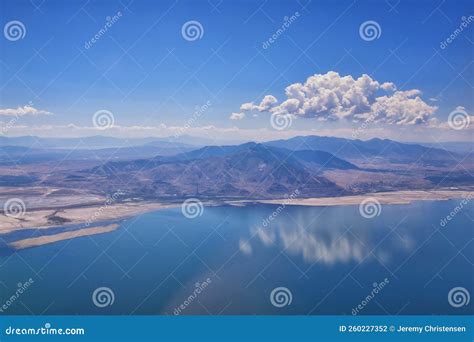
{"type": "Point", "coordinates": [234, 260]}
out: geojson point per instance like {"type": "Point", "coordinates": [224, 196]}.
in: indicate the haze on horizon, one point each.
{"type": "Point", "coordinates": [236, 72]}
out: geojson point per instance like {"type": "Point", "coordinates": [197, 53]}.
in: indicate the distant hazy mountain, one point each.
{"type": "Point", "coordinates": [26, 155]}
{"type": "Point", "coordinates": [190, 140]}
{"type": "Point", "coordinates": [92, 142]}
{"type": "Point", "coordinates": [462, 147]}
{"type": "Point", "coordinates": [384, 150]}
{"type": "Point", "coordinates": [97, 142]}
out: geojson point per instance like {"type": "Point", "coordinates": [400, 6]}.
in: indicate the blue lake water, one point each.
{"type": "Point", "coordinates": [328, 259]}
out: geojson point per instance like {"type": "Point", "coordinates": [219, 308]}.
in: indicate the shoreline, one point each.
{"type": "Point", "coordinates": [394, 197]}
{"type": "Point", "coordinates": [95, 214]}
{"type": "Point", "coordinates": [47, 239]}
{"type": "Point", "coordinates": [90, 215]}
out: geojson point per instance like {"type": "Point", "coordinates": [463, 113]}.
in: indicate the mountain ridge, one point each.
{"type": "Point", "coordinates": [245, 171]}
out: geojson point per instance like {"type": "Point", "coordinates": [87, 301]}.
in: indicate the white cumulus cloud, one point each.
{"type": "Point", "coordinates": [265, 105]}
{"type": "Point", "coordinates": [333, 97]}
{"type": "Point", "coordinates": [22, 111]}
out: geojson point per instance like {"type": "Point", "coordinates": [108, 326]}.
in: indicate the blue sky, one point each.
{"type": "Point", "coordinates": [151, 79]}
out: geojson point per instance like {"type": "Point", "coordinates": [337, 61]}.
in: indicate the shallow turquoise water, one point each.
{"type": "Point", "coordinates": [328, 259]}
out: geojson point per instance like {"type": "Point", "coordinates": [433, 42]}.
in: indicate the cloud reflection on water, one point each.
{"type": "Point", "coordinates": [329, 244]}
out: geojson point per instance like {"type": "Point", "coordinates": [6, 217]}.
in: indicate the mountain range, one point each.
{"type": "Point", "coordinates": [311, 166]}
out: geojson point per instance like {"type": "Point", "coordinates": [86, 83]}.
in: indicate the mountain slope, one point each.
{"type": "Point", "coordinates": [311, 158]}
{"type": "Point", "coordinates": [245, 171]}
{"type": "Point", "coordinates": [375, 150]}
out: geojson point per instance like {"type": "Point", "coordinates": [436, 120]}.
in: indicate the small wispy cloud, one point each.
{"type": "Point", "coordinates": [237, 116]}
{"type": "Point", "coordinates": [23, 111]}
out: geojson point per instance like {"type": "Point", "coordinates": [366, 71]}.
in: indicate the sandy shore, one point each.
{"type": "Point", "coordinates": [48, 218]}
{"type": "Point", "coordinates": [44, 219]}
{"type": "Point", "coordinates": [44, 240]}
{"type": "Point", "coordinates": [397, 197]}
